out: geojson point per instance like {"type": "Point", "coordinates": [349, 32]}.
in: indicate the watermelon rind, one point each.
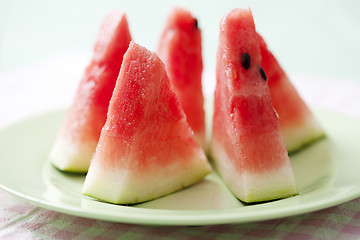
{"type": "Point", "coordinates": [74, 157]}
{"type": "Point", "coordinates": [125, 187]}
{"type": "Point", "coordinates": [257, 187]}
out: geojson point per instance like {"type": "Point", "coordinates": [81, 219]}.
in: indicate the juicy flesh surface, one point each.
{"type": "Point", "coordinates": [180, 49]}
{"type": "Point", "coordinates": [245, 122]}
{"type": "Point", "coordinates": [146, 126]}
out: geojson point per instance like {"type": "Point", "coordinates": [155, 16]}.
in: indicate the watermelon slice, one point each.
{"type": "Point", "coordinates": [146, 149]}
{"type": "Point", "coordinates": [298, 125]}
{"type": "Point", "coordinates": [79, 134]}
{"type": "Point", "coordinates": [247, 147]}
{"type": "Point", "coordinates": [180, 49]}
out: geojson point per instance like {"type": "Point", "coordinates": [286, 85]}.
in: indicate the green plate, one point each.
{"type": "Point", "coordinates": [327, 174]}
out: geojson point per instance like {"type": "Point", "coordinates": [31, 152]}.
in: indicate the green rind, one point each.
{"type": "Point", "coordinates": [275, 195]}
{"type": "Point", "coordinates": [72, 170]}
{"type": "Point", "coordinates": [311, 139]}
{"type": "Point", "coordinates": [254, 198]}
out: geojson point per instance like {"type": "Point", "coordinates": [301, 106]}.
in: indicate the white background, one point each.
{"type": "Point", "coordinates": [45, 45]}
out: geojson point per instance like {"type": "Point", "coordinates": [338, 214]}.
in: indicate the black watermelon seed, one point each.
{"type": "Point", "coordinates": [196, 24]}
{"type": "Point", "coordinates": [263, 75]}
{"type": "Point", "coordinates": [245, 60]}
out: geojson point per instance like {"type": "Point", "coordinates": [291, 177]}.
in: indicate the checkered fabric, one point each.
{"type": "Point", "coordinates": [21, 220]}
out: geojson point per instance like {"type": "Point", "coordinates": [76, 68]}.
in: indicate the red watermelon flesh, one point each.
{"type": "Point", "coordinates": [79, 134]}
{"type": "Point", "coordinates": [247, 147]}
{"type": "Point", "coordinates": [146, 149]}
{"type": "Point", "coordinates": [180, 49]}
{"type": "Point", "coordinates": [297, 123]}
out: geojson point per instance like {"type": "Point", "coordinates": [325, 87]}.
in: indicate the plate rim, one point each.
{"type": "Point", "coordinates": [187, 217]}
{"type": "Point", "coordinates": [226, 216]}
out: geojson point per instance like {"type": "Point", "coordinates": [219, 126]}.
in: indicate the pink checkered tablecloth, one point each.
{"type": "Point", "coordinates": [50, 84]}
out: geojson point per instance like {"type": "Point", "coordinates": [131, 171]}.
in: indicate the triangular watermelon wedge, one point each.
{"type": "Point", "coordinates": [180, 49]}
{"type": "Point", "coordinates": [80, 131]}
{"type": "Point", "coordinates": [297, 123]}
{"type": "Point", "coordinates": [247, 147]}
{"type": "Point", "coordinates": [146, 149]}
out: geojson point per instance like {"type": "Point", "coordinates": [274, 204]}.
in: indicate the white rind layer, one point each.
{"type": "Point", "coordinates": [299, 136]}
{"type": "Point", "coordinates": [122, 186]}
{"type": "Point", "coordinates": [254, 187]}
{"type": "Point", "coordinates": [72, 157]}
